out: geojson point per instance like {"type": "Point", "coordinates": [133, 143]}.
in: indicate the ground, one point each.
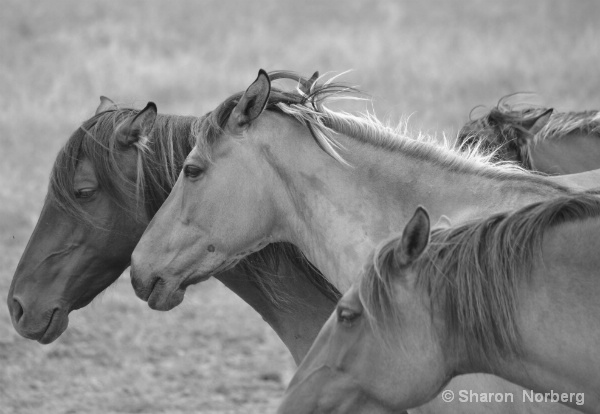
{"type": "Point", "coordinates": [432, 60]}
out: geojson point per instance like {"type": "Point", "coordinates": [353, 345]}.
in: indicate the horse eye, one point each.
{"type": "Point", "coordinates": [84, 193]}
{"type": "Point", "coordinates": [191, 171]}
{"type": "Point", "coordinates": [347, 316]}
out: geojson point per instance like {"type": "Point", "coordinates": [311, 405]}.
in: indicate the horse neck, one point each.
{"type": "Point", "coordinates": [297, 322]}
{"type": "Point", "coordinates": [557, 318]}
{"type": "Point", "coordinates": [569, 154]}
{"type": "Point", "coordinates": [560, 311]}
{"type": "Point", "coordinates": [339, 213]}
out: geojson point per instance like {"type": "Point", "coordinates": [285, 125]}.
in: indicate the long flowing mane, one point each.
{"type": "Point", "coordinates": [160, 158]}
{"type": "Point", "coordinates": [309, 107]}
{"type": "Point", "coordinates": [498, 130]}
{"type": "Point", "coordinates": [471, 274]}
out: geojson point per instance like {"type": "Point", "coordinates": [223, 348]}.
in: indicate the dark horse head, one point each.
{"type": "Point", "coordinates": [107, 182]}
{"type": "Point", "coordinates": [505, 131]}
{"type": "Point", "coordinates": [94, 213]}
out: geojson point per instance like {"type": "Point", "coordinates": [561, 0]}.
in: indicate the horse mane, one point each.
{"type": "Point", "coordinates": [497, 131]}
{"type": "Point", "coordinates": [160, 158]}
{"type": "Point", "coordinates": [471, 275]}
{"type": "Point", "coordinates": [304, 104]}
{"type": "Point", "coordinates": [562, 124]}
{"type": "Point", "coordinates": [324, 124]}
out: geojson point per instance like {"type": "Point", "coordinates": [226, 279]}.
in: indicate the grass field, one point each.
{"type": "Point", "coordinates": [433, 59]}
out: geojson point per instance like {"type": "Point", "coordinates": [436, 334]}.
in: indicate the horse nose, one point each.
{"type": "Point", "coordinates": [16, 310]}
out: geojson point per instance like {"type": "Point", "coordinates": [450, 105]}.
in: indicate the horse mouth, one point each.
{"type": "Point", "coordinates": [53, 330]}
{"type": "Point", "coordinates": [145, 295]}
{"type": "Point", "coordinates": [161, 298]}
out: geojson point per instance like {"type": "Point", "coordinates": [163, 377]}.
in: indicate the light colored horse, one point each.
{"type": "Point", "coordinates": [538, 138]}
{"type": "Point", "coordinates": [467, 301]}
{"type": "Point", "coordinates": [333, 184]}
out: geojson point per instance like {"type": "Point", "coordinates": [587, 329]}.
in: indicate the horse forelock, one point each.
{"type": "Point", "coordinates": [471, 275]}
{"type": "Point", "coordinates": [304, 105]}
{"type": "Point", "coordinates": [377, 295]}
{"type": "Point", "coordinates": [96, 141]}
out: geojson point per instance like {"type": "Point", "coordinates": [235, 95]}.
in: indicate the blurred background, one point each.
{"type": "Point", "coordinates": [433, 60]}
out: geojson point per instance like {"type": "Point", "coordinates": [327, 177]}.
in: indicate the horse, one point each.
{"type": "Point", "coordinates": [108, 180]}
{"type": "Point", "coordinates": [271, 165]}
{"type": "Point", "coordinates": [429, 306]}
{"type": "Point", "coordinates": [538, 139]}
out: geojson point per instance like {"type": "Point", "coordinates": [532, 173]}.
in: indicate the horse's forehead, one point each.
{"type": "Point", "coordinates": [262, 131]}
{"type": "Point", "coordinates": [84, 172]}
{"type": "Point", "coordinates": [197, 153]}
{"type": "Point", "coordinates": [352, 298]}
{"type": "Point", "coordinates": [272, 124]}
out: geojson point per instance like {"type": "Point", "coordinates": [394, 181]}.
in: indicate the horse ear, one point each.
{"type": "Point", "coordinates": [105, 105]}
{"type": "Point", "coordinates": [535, 124]}
{"type": "Point", "coordinates": [415, 238]}
{"type": "Point", "coordinates": [252, 103]}
{"type": "Point", "coordinates": [306, 88]}
{"type": "Point", "coordinates": [443, 222]}
{"type": "Point", "coordinates": [130, 132]}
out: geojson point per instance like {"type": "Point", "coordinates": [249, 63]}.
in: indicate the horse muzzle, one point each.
{"type": "Point", "coordinates": [44, 327]}
{"type": "Point", "coordinates": [159, 294]}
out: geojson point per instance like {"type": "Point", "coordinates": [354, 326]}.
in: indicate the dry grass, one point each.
{"type": "Point", "coordinates": [434, 59]}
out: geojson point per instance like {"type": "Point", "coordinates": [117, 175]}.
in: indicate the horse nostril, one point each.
{"type": "Point", "coordinates": [17, 310]}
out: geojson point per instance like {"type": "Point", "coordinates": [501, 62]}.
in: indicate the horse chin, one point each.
{"type": "Point", "coordinates": [57, 325]}
{"type": "Point", "coordinates": [163, 299]}
{"type": "Point", "coordinates": [192, 280]}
